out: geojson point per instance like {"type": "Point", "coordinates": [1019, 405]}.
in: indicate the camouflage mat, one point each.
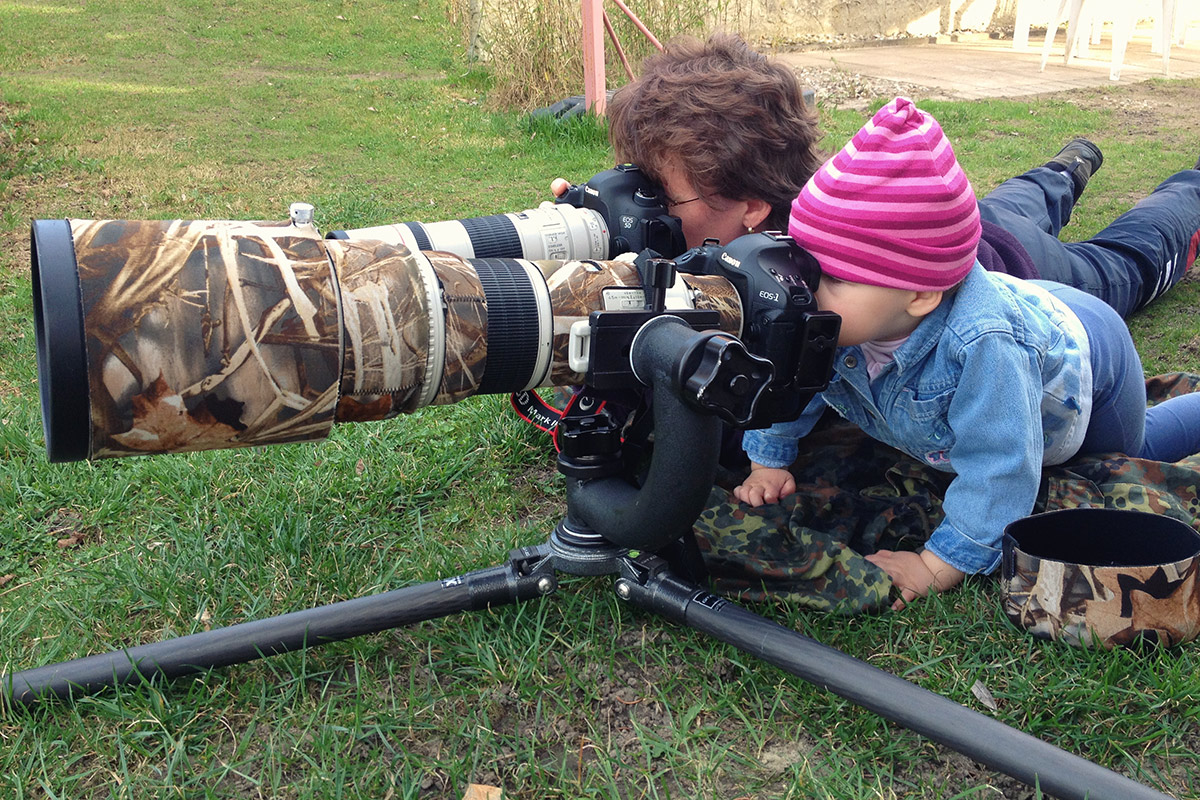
{"type": "Point", "coordinates": [855, 495]}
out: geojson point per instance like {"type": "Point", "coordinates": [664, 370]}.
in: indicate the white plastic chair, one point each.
{"type": "Point", "coordinates": [1185, 14]}
{"type": "Point", "coordinates": [1074, 11]}
{"type": "Point", "coordinates": [1085, 19]}
{"type": "Point", "coordinates": [1164, 33]}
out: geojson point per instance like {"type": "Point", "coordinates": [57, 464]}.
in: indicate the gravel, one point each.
{"type": "Point", "coordinates": [845, 89]}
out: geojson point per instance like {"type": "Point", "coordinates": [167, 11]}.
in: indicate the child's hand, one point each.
{"type": "Point", "coordinates": [916, 574]}
{"type": "Point", "coordinates": [765, 485]}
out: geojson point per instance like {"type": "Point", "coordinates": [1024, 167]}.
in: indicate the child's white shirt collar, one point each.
{"type": "Point", "coordinates": [880, 353]}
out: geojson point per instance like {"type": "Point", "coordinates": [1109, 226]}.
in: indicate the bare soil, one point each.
{"type": "Point", "coordinates": [1159, 106]}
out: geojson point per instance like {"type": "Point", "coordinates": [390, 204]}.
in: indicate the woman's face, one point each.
{"type": "Point", "coordinates": [704, 216]}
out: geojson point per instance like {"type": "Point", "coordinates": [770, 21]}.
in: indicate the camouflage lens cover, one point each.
{"type": "Point", "coordinates": [180, 335]}
{"type": "Point", "coordinates": [206, 334]}
{"type": "Point", "coordinates": [1099, 577]}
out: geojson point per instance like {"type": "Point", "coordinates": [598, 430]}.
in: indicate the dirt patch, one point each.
{"type": "Point", "coordinates": [1160, 106]}
{"type": "Point", "coordinates": [841, 88]}
{"type": "Point", "coordinates": [1164, 108]}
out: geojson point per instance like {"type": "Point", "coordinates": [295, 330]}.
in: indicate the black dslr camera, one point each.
{"type": "Point", "coordinates": [788, 342]}
{"type": "Point", "coordinates": [633, 208]}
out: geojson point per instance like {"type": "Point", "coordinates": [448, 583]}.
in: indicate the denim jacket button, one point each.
{"type": "Point", "coordinates": [850, 361]}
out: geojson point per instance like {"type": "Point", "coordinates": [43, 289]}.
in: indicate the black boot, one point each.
{"type": "Point", "coordinates": [1080, 159]}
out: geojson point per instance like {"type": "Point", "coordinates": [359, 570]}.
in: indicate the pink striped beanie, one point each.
{"type": "Point", "coordinates": [893, 208]}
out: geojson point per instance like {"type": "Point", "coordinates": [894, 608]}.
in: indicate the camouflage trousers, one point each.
{"type": "Point", "coordinates": [855, 496]}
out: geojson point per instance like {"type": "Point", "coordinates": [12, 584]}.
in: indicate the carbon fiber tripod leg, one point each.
{"type": "Point", "coordinates": [526, 575]}
{"type": "Point", "coordinates": [647, 582]}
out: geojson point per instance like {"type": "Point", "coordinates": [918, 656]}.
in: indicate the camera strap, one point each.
{"type": "Point", "coordinates": [530, 407]}
{"type": "Point", "coordinates": [543, 415]}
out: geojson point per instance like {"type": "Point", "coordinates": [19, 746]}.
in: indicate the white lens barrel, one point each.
{"type": "Point", "coordinates": [550, 232]}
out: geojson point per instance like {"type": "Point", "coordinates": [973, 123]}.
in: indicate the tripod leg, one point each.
{"type": "Point", "coordinates": [647, 583]}
{"type": "Point", "coordinates": [526, 575]}
{"type": "Point", "coordinates": [684, 559]}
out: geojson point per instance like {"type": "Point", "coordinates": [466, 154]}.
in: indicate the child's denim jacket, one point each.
{"type": "Point", "coordinates": [993, 384]}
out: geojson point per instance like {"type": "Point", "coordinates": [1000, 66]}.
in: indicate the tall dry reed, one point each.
{"type": "Point", "coordinates": [534, 49]}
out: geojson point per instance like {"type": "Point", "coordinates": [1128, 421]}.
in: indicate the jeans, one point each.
{"type": "Point", "coordinates": [1120, 421]}
{"type": "Point", "coordinates": [1144, 252]}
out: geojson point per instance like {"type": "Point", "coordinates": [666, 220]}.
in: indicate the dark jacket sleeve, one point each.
{"type": "Point", "coordinates": [1000, 251]}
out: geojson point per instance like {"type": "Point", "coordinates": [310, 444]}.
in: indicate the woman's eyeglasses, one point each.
{"type": "Point", "coordinates": [671, 203]}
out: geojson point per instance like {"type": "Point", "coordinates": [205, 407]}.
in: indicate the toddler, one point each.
{"type": "Point", "coordinates": [972, 372]}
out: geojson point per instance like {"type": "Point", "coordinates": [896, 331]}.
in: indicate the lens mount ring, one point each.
{"type": "Point", "coordinates": [435, 360]}
{"type": "Point", "coordinates": [545, 326]}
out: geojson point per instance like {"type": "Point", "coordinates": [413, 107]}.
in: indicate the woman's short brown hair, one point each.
{"type": "Point", "coordinates": [734, 121]}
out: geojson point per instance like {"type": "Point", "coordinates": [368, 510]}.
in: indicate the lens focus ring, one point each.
{"type": "Point", "coordinates": [512, 325]}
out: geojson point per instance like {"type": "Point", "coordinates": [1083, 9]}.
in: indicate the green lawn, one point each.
{"type": "Point", "coordinates": [368, 110]}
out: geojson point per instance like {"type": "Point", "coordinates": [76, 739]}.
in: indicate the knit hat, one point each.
{"type": "Point", "coordinates": [893, 208]}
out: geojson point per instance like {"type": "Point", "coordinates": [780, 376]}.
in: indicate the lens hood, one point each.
{"type": "Point", "coordinates": [62, 359]}
{"type": "Point", "coordinates": [1103, 577]}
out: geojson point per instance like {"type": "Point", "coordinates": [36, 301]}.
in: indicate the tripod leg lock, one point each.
{"type": "Point", "coordinates": [528, 574]}
{"type": "Point", "coordinates": [647, 581]}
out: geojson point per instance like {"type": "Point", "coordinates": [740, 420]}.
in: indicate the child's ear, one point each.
{"type": "Point", "coordinates": [924, 302]}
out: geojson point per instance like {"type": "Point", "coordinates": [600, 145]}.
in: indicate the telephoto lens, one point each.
{"type": "Point", "coordinates": [174, 336]}
{"type": "Point", "coordinates": [617, 211]}
{"type": "Point", "coordinates": [550, 231]}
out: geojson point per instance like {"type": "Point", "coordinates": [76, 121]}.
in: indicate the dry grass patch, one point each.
{"type": "Point", "coordinates": [532, 47]}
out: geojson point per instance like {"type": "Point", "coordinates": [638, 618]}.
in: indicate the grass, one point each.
{"type": "Point", "coordinates": [368, 110]}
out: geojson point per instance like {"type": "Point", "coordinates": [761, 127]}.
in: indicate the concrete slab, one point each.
{"type": "Point", "coordinates": [973, 66]}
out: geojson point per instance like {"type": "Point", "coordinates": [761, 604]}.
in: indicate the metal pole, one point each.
{"type": "Point", "coordinates": [594, 90]}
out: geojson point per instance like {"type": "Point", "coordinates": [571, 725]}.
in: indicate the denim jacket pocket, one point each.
{"type": "Point", "coordinates": [924, 424]}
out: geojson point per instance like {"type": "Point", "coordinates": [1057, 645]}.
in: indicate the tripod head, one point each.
{"type": "Point", "coordinates": [697, 378]}
{"type": "Point", "coordinates": [683, 370]}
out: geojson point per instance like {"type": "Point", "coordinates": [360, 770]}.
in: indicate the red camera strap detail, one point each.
{"type": "Point", "coordinates": [542, 415]}
{"type": "Point", "coordinates": [537, 412]}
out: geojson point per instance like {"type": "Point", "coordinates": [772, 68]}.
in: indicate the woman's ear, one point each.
{"type": "Point", "coordinates": [756, 213]}
{"type": "Point", "coordinates": [924, 303]}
